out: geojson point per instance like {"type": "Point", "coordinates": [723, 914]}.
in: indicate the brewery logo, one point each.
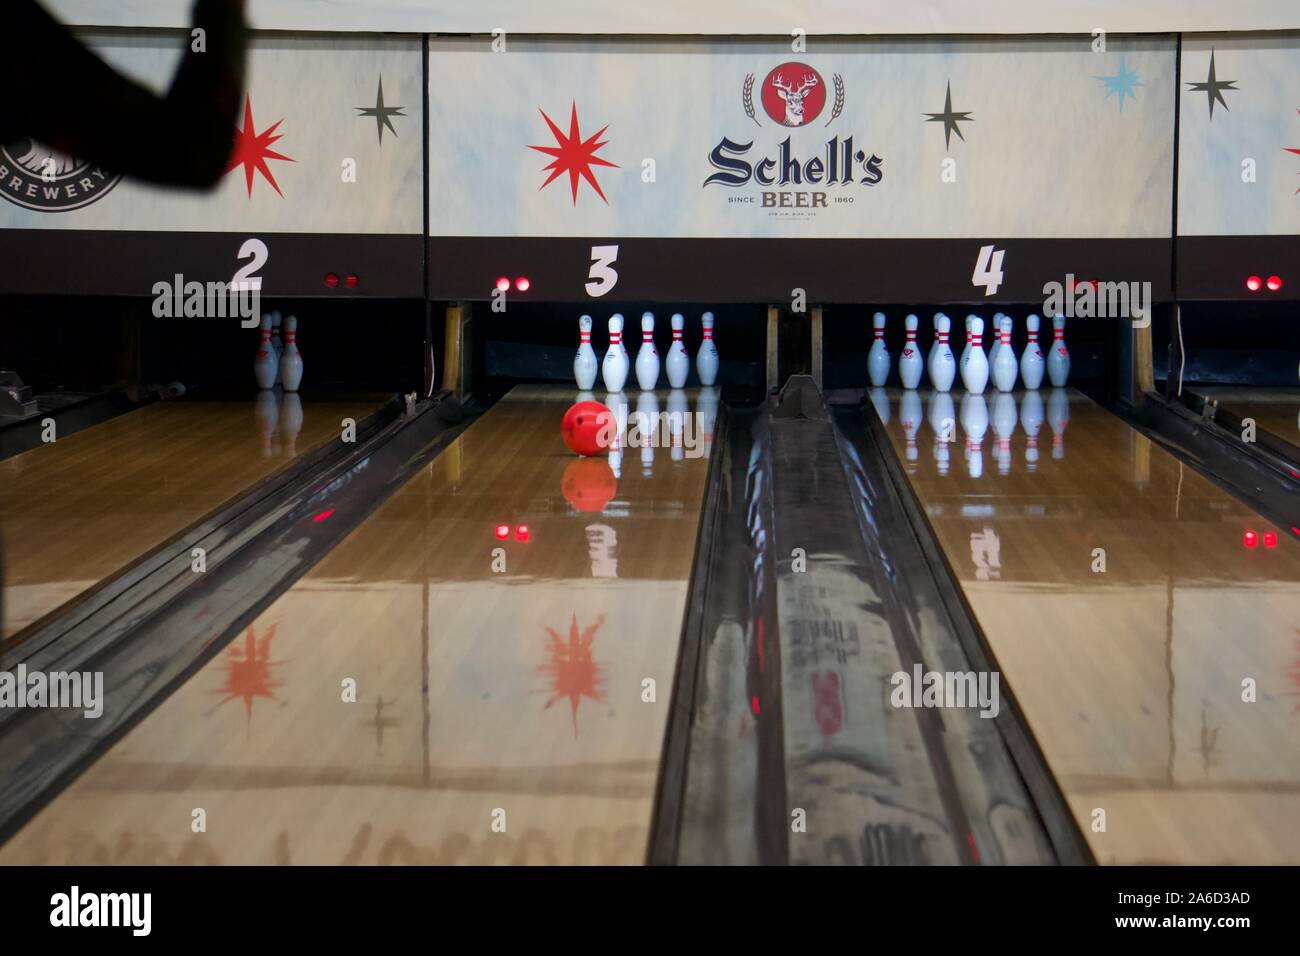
{"type": "Point", "coordinates": [793, 94]}
{"type": "Point", "coordinates": [793, 175]}
{"type": "Point", "coordinates": [37, 177]}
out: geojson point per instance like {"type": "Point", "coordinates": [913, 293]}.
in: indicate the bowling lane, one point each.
{"type": "Point", "coordinates": [75, 511]}
{"type": "Point", "coordinates": [1131, 678]}
{"type": "Point", "coordinates": [1275, 411]}
{"type": "Point", "coordinates": [498, 681]}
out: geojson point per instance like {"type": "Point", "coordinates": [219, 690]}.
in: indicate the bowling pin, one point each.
{"type": "Point", "coordinates": [647, 360]}
{"type": "Point", "coordinates": [943, 367]}
{"type": "Point", "coordinates": [267, 411]}
{"type": "Point", "coordinates": [1005, 417]}
{"type": "Point", "coordinates": [1004, 363]}
{"type": "Point", "coordinates": [277, 342]}
{"type": "Point", "coordinates": [1032, 360]}
{"type": "Point", "coordinates": [996, 329]}
{"type": "Point", "coordinates": [961, 359]}
{"type": "Point", "coordinates": [614, 369]}
{"type": "Point", "coordinates": [291, 360]}
{"type": "Point", "coordinates": [678, 362]}
{"type": "Point", "coordinates": [706, 359]}
{"type": "Point", "coordinates": [1031, 420]}
{"type": "Point", "coordinates": [975, 423]}
{"type": "Point", "coordinates": [264, 362]}
{"type": "Point", "coordinates": [975, 364]}
{"type": "Point", "coordinates": [910, 363]}
{"type": "Point", "coordinates": [1058, 359]}
{"type": "Point", "coordinates": [291, 410]}
{"type": "Point", "coordinates": [585, 362]}
{"type": "Point", "coordinates": [878, 357]}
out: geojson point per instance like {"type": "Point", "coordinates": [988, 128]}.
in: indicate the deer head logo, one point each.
{"type": "Point", "coordinates": [794, 97]}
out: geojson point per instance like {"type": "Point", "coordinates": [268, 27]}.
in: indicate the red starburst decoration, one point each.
{"type": "Point", "coordinates": [253, 149]}
{"type": "Point", "coordinates": [248, 671]}
{"type": "Point", "coordinates": [574, 674]}
{"type": "Point", "coordinates": [574, 155]}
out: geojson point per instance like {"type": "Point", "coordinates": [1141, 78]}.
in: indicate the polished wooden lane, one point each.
{"type": "Point", "coordinates": [1131, 678]}
{"type": "Point", "coordinates": [78, 510]}
{"type": "Point", "coordinates": [502, 710]}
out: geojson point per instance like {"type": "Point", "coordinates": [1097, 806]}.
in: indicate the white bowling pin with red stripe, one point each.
{"type": "Point", "coordinates": [291, 360]}
{"type": "Point", "coordinates": [1004, 364]}
{"type": "Point", "coordinates": [265, 364]}
{"type": "Point", "coordinates": [1032, 361]}
{"type": "Point", "coordinates": [878, 358]}
{"type": "Point", "coordinates": [706, 359]}
{"type": "Point", "coordinates": [678, 362]}
{"type": "Point", "coordinates": [910, 363]}
{"type": "Point", "coordinates": [975, 364]}
{"type": "Point", "coordinates": [943, 365]}
{"type": "Point", "coordinates": [1058, 357]}
{"type": "Point", "coordinates": [614, 368]}
{"type": "Point", "coordinates": [647, 360]}
{"type": "Point", "coordinates": [585, 363]}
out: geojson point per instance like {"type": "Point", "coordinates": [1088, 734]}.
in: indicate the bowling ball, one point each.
{"type": "Point", "coordinates": [588, 484]}
{"type": "Point", "coordinates": [587, 428]}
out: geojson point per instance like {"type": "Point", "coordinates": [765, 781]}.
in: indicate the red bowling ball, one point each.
{"type": "Point", "coordinates": [587, 428]}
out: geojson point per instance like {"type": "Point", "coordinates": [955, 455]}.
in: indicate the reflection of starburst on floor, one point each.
{"type": "Point", "coordinates": [573, 673]}
{"type": "Point", "coordinates": [248, 671]}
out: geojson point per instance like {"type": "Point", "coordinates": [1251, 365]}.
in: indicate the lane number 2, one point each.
{"type": "Point", "coordinates": [244, 278]}
{"type": "Point", "coordinates": [602, 275]}
{"type": "Point", "coordinates": [988, 269]}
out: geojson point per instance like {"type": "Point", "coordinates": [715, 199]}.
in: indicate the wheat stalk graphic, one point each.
{"type": "Point", "coordinates": [749, 98]}
{"type": "Point", "coordinates": [839, 99]}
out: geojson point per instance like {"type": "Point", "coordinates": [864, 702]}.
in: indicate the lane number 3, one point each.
{"type": "Point", "coordinates": [602, 275]}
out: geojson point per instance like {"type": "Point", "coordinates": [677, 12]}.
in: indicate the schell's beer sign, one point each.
{"type": "Point", "coordinates": [793, 95]}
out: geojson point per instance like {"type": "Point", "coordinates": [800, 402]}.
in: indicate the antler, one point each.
{"type": "Point", "coordinates": [809, 80]}
{"type": "Point", "coordinates": [780, 84]}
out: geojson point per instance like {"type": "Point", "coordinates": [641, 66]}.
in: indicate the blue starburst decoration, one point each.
{"type": "Point", "coordinates": [1122, 83]}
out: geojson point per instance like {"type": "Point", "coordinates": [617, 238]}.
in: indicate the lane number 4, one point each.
{"type": "Point", "coordinates": [988, 269]}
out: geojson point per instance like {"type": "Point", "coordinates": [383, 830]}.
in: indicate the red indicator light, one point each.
{"type": "Point", "coordinates": [754, 704]}
{"type": "Point", "coordinates": [503, 531]}
{"type": "Point", "coordinates": [521, 533]}
{"type": "Point", "coordinates": [332, 280]}
{"type": "Point", "coordinates": [1270, 539]}
{"type": "Point", "coordinates": [1274, 283]}
{"type": "Point", "coordinates": [1250, 539]}
{"type": "Point", "coordinates": [1253, 283]}
{"type": "Point", "coordinates": [351, 281]}
{"type": "Point", "coordinates": [502, 284]}
{"type": "Point", "coordinates": [322, 516]}
{"type": "Point", "coordinates": [522, 284]}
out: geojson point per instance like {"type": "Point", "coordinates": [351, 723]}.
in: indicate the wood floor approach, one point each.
{"type": "Point", "coordinates": [501, 685]}
{"type": "Point", "coordinates": [77, 510]}
{"type": "Point", "coordinates": [1131, 679]}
